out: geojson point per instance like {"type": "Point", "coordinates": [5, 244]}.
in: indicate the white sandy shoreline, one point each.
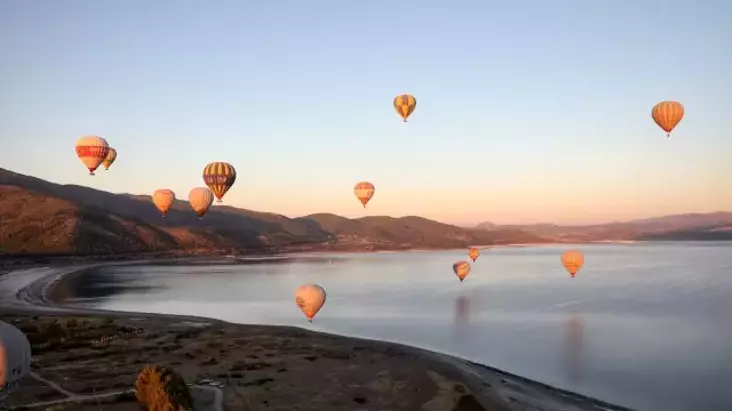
{"type": "Point", "coordinates": [28, 290]}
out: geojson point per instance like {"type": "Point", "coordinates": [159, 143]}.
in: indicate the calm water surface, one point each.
{"type": "Point", "coordinates": [645, 325]}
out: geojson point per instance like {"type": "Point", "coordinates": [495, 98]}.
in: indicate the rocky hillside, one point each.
{"type": "Point", "coordinates": [40, 217]}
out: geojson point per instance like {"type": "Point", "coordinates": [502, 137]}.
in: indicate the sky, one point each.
{"type": "Point", "coordinates": [527, 111]}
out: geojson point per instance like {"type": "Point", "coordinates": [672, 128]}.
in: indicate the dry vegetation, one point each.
{"type": "Point", "coordinates": [263, 368]}
{"type": "Point", "coordinates": [162, 389]}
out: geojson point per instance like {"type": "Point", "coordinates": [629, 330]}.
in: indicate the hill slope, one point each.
{"type": "Point", "coordinates": [37, 216]}
{"type": "Point", "coordinates": [408, 232]}
{"type": "Point", "coordinates": [709, 226]}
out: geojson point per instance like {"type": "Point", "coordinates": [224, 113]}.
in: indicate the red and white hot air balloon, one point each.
{"type": "Point", "coordinates": [92, 150]}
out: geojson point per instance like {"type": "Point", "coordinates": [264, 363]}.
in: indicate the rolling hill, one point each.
{"type": "Point", "coordinates": [681, 227]}
{"type": "Point", "coordinates": [41, 217]}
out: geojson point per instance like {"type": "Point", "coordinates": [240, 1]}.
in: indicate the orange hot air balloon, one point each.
{"type": "Point", "coordinates": [163, 200]}
{"type": "Point", "coordinates": [310, 298]}
{"type": "Point", "coordinates": [405, 105]}
{"type": "Point", "coordinates": [111, 156]}
{"type": "Point", "coordinates": [219, 177]}
{"type": "Point", "coordinates": [573, 261]}
{"type": "Point", "coordinates": [473, 253]}
{"type": "Point", "coordinates": [92, 150]}
{"type": "Point", "coordinates": [364, 191]}
{"type": "Point", "coordinates": [667, 114]}
{"type": "Point", "coordinates": [200, 199]}
{"type": "Point", "coordinates": [461, 269]}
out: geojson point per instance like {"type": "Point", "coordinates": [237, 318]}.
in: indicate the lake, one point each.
{"type": "Point", "coordinates": [645, 325]}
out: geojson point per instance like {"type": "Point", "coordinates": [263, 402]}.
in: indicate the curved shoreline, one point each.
{"type": "Point", "coordinates": [33, 296]}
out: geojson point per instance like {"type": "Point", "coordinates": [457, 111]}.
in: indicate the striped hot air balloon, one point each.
{"type": "Point", "coordinates": [92, 150]}
{"type": "Point", "coordinates": [163, 200]}
{"type": "Point", "coordinates": [200, 199]}
{"type": "Point", "coordinates": [364, 191]}
{"type": "Point", "coordinates": [461, 269]}
{"type": "Point", "coordinates": [111, 156]}
{"type": "Point", "coordinates": [667, 114]}
{"type": "Point", "coordinates": [405, 105]}
{"type": "Point", "coordinates": [219, 177]}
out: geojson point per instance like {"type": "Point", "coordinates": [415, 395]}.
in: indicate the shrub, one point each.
{"type": "Point", "coordinates": [162, 389]}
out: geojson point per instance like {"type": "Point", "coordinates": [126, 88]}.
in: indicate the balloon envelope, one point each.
{"type": "Point", "coordinates": [111, 156]}
{"type": "Point", "coordinates": [573, 261]}
{"type": "Point", "coordinates": [461, 269]}
{"type": "Point", "coordinates": [310, 298]}
{"type": "Point", "coordinates": [15, 358]}
{"type": "Point", "coordinates": [219, 177]}
{"type": "Point", "coordinates": [163, 200]}
{"type": "Point", "coordinates": [473, 253]}
{"type": "Point", "coordinates": [92, 150]}
{"type": "Point", "coordinates": [405, 105]}
{"type": "Point", "coordinates": [364, 191]}
{"type": "Point", "coordinates": [667, 114]}
{"type": "Point", "coordinates": [200, 199]}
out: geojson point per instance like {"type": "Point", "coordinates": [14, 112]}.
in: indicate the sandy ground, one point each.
{"type": "Point", "coordinates": [252, 367]}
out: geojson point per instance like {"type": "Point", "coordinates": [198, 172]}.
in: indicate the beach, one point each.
{"type": "Point", "coordinates": [249, 367]}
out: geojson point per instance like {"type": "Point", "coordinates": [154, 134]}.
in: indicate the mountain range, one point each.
{"type": "Point", "coordinates": [39, 217]}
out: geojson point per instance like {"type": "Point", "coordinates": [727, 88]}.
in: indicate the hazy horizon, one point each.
{"type": "Point", "coordinates": [468, 224]}
{"type": "Point", "coordinates": [522, 117]}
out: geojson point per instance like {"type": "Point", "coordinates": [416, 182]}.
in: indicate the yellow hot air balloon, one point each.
{"type": "Point", "coordinates": [473, 253]}
{"type": "Point", "coordinates": [461, 269]}
{"type": "Point", "coordinates": [667, 114]}
{"type": "Point", "coordinates": [364, 191]}
{"type": "Point", "coordinates": [219, 177]}
{"type": "Point", "coordinates": [15, 359]}
{"type": "Point", "coordinates": [310, 298]}
{"type": "Point", "coordinates": [92, 150]}
{"type": "Point", "coordinates": [111, 156]}
{"type": "Point", "coordinates": [200, 199]}
{"type": "Point", "coordinates": [405, 105]}
{"type": "Point", "coordinates": [573, 261]}
{"type": "Point", "coordinates": [163, 200]}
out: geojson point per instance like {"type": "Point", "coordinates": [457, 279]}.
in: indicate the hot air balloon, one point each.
{"type": "Point", "coordinates": [163, 200]}
{"type": "Point", "coordinates": [219, 177]}
{"type": "Point", "coordinates": [200, 199]}
{"type": "Point", "coordinates": [405, 105]}
{"type": "Point", "coordinates": [364, 191]}
{"type": "Point", "coordinates": [572, 261]}
{"type": "Point", "coordinates": [667, 114]}
{"type": "Point", "coordinates": [92, 150]}
{"type": "Point", "coordinates": [310, 298]}
{"type": "Point", "coordinates": [461, 269]}
{"type": "Point", "coordinates": [111, 156]}
{"type": "Point", "coordinates": [15, 359]}
{"type": "Point", "coordinates": [473, 253]}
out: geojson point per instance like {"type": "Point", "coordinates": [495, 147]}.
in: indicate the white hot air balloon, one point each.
{"type": "Point", "coordinates": [310, 298]}
{"type": "Point", "coordinates": [200, 199]}
{"type": "Point", "coordinates": [15, 358]}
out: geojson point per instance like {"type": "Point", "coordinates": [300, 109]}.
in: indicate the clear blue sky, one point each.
{"type": "Point", "coordinates": [527, 110]}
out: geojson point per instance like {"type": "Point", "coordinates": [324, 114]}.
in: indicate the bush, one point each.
{"type": "Point", "coordinates": [162, 389]}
